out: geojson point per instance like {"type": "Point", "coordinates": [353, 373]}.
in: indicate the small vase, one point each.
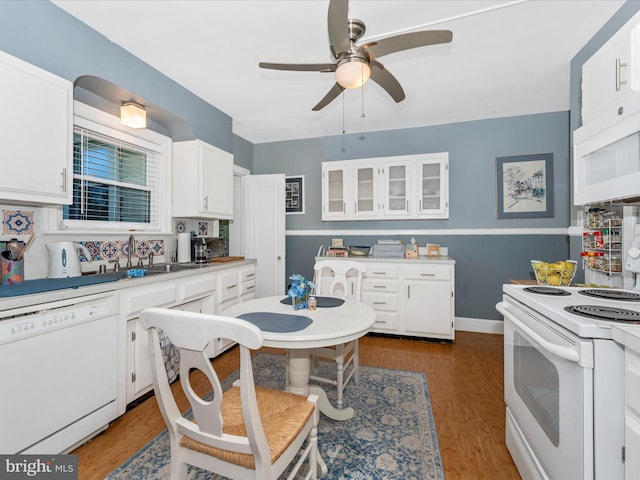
{"type": "Point", "coordinates": [298, 303]}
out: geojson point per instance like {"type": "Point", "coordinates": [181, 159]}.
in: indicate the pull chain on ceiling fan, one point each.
{"type": "Point", "coordinates": [355, 64]}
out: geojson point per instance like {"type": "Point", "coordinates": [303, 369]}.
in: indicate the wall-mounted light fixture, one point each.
{"type": "Point", "coordinates": [133, 115]}
{"type": "Point", "coordinates": [353, 72]}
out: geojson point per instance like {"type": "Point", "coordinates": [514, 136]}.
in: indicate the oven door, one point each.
{"type": "Point", "coordinates": [548, 389]}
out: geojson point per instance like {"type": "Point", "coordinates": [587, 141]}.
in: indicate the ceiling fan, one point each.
{"type": "Point", "coordinates": [355, 64]}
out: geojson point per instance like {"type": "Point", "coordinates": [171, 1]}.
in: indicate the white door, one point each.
{"type": "Point", "coordinates": [264, 230]}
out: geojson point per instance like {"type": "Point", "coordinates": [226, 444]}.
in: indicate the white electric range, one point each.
{"type": "Point", "coordinates": [564, 379]}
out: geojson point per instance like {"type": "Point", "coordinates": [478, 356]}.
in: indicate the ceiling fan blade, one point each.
{"type": "Point", "coordinates": [329, 97]}
{"type": "Point", "coordinates": [337, 21]}
{"type": "Point", "coordinates": [300, 67]}
{"type": "Point", "coordinates": [407, 41]}
{"type": "Point", "coordinates": [383, 77]}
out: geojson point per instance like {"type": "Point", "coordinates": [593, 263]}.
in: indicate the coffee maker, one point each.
{"type": "Point", "coordinates": [200, 252]}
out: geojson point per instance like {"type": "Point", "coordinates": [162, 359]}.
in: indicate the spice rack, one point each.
{"type": "Point", "coordinates": [602, 240]}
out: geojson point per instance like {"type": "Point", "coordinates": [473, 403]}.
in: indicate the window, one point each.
{"type": "Point", "coordinates": [120, 178]}
{"type": "Point", "coordinates": [113, 181]}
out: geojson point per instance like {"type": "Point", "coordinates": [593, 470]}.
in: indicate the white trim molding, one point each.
{"type": "Point", "coordinates": [479, 325]}
{"type": "Point", "coordinates": [441, 231]}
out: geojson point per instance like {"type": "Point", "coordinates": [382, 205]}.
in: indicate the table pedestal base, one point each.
{"type": "Point", "coordinates": [299, 371]}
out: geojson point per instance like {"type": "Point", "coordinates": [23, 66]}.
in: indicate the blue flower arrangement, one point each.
{"type": "Point", "coordinates": [299, 291]}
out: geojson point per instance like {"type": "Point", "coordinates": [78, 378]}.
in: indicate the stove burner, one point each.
{"type": "Point", "coordinates": [605, 313]}
{"type": "Point", "coordinates": [546, 291]}
{"type": "Point", "coordinates": [612, 294]}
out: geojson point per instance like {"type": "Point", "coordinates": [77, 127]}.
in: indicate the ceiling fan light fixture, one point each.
{"type": "Point", "coordinates": [353, 72]}
{"type": "Point", "coordinates": [133, 115]}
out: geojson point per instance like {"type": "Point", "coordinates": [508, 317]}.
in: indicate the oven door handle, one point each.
{"type": "Point", "coordinates": [566, 353]}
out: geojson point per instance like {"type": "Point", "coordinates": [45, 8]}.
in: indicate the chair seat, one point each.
{"type": "Point", "coordinates": [282, 414]}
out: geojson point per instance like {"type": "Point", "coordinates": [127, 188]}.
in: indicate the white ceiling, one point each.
{"type": "Point", "coordinates": [507, 58]}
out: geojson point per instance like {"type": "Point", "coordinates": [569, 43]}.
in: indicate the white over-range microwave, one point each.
{"type": "Point", "coordinates": [606, 156]}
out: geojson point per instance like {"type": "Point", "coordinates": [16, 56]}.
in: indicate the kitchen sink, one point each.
{"type": "Point", "coordinates": [156, 269]}
{"type": "Point", "coordinates": [173, 267]}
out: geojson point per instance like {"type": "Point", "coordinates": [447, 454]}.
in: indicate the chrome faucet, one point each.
{"type": "Point", "coordinates": [132, 245]}
{"type": "Point", "coordinates": [150, 259]}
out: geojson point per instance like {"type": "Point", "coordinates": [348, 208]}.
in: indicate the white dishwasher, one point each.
{"type": "Point", "coordinates": [59, 373]}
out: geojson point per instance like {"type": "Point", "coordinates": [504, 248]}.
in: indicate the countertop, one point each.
{"type": "Point", "coordinates": [7, 303]}
{"type": "Point", "coordinates": [627, 335]}
{"type": "Point", "coordinates": [370, 258]}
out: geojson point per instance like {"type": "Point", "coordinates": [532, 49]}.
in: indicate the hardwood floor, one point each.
{"type": "Point", "coordinates": [465, 385]}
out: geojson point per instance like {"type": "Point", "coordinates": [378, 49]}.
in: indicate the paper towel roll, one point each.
{"type": "Point", "coordinates": [184, 247]}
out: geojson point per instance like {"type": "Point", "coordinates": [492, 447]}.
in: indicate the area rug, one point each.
{"type": "Point", "coordinates": [391, 436]}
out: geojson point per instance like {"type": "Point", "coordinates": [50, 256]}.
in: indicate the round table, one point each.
{"type": "Point", "coordinates": [329, 326]}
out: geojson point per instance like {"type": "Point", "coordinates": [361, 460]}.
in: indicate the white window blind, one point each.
{"type": "Point", "coordinates": [113, 181]}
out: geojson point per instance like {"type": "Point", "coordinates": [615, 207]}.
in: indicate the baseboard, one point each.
{"type": "Point", "coordinates": [479, 325]}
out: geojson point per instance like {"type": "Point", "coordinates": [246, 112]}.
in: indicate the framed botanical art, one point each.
{"type": "Point", "coordinates": [525, 186]}
{"type": "Point", "coordinates": [294, 194]}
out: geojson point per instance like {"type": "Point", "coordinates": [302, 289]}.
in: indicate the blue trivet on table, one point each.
{"type": "Point", "coordinates": [277, 322]}
{"type": "Point", "coordinates": [321, 302]}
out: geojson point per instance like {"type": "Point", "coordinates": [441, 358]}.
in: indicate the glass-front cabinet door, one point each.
{"type": "Point", "coordinates": [396, 188]}
{"type": "Point", "coordinates": [334, 190]}
{"type": "Point", "coordinates": [366, 190]}
{"type": "Point", "coordinates": [432, 188]}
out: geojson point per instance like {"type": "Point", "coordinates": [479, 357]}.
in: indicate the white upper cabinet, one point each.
{"type": "Point", "coordinates": [432, 177]}
{"type": "Point", "coordinates": [404, 187]}
{"type": "Point", "coordinates": [608, 75]}
{"type": "Point", "coordinates": [335, 187]}
{"type": "Point", "coordinates": [36, 134]}
{"type": "Point", "coordinates": [202, 181]}
{"type": "Point", "coordinates": [366, 198]}
{"type": "Point", "coordinates": [397, 200]}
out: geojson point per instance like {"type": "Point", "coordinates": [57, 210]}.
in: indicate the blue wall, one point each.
{"type": "Point", "coordinates": [44, 35]}
{"type": "Point", "coordinates": [484, 261]}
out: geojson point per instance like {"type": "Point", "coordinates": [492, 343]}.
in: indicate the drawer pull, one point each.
{"type": "Point", "coordinates": [232, 286]}
{"type": "Point", "coordinates": [379, 286]}
{"type": "Point", "coordinates": [379, 273]}
{"type": "Point", "coordinates": [379, 303]}
{"type": "Point", "coordinates": [251, 275]}
{"type": "Point", "coordinates": [427, 274]}
{"type": "Point", "coordinates": [251, 287]}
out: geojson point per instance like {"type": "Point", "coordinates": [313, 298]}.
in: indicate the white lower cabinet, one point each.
{"type": "Point", "coordinates": [380, 289]}
{"type": "Point", "coordinates": [133, 301]}
{"type": "Point", "coordinates": [632, 415]}
{"type": "Point", "coordinates": [428, 292]}
{"type": "Point", "coordinates": [200, 293]}
{"type": "Point", "coordinates": [411, 297]}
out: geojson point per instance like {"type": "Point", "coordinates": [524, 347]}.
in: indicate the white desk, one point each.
{"type": "Point", "coordinates": [330, 326]}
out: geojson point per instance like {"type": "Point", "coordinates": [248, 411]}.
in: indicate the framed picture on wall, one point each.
{"type": "Point", "coordinates": [294, 194]}
{"type": "Point", "coordinates": [525, 186]}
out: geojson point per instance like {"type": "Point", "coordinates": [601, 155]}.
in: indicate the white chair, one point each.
{"type": "Point", "coordinates": [345, 355]}
{"type": "Point", "coordinates": [247, 432]}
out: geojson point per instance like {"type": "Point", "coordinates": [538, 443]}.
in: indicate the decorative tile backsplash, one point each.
{"type": "Point", "coordinates": [115, 250]}
{"type": "Point", "coordinates": [17, 222]}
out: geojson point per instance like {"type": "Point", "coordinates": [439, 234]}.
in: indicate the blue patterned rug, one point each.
{"type": "Point", "coordinates": [392, 435]}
